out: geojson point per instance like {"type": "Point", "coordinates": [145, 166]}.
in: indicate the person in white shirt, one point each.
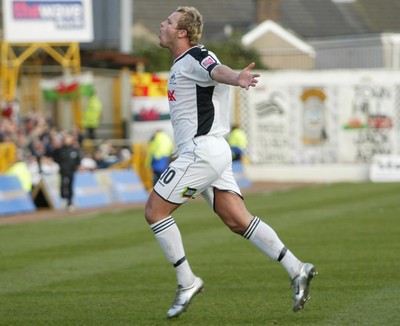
{"type": "Point", "coordinates": [198, 95]}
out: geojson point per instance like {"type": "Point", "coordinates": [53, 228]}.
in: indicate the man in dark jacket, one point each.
{"type": "Point", "coordinates": [68, 157]}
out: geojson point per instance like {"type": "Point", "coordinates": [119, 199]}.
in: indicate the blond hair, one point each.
{"type": "Point", "coordinates": [192, 22]}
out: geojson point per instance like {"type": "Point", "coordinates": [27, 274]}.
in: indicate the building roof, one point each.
{"type": "Point", "coordinates": [306, 18]}
{"type": "Point", "coordinates": [379, 15]}
{"type": "Point", "coordinates": [270, 26]}
{"type": "Point", "coordinates": [321, 18]}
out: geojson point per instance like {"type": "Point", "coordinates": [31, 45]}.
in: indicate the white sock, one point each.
{"type": "Point", "coordinates": [291, 263]}
{"type": "Point", "coordinates": [266, 239]}
{"type": "Point", "coordinates": [170, 240]}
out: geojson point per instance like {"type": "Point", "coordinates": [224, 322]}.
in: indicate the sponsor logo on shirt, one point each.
{"type": "Point", "coordinates": [207, 61]}
{"type": "Point", "coordinates": [171, 95]}
{"type": "Point", "coordinates": [189, 192]}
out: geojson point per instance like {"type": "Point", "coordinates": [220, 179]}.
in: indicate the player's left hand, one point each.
{"type": "Point", "coordinates": [248, 79]}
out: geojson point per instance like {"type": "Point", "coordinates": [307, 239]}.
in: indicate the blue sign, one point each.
{"type": "Point", "coordinates": [13, 199]}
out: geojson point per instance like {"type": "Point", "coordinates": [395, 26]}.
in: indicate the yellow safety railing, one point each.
{"type": "Point", "coordinates": [13, 56]}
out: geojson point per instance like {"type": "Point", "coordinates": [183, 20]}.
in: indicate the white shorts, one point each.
{"type": "Point", "coordinates": [204, 163]}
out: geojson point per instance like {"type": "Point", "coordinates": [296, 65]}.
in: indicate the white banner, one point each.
{"type": "Point", "coordinates": [385, 168]}
{"type": "Point", "coordinates": [322, 116]}
{"type": "Point", "coordinates": [47, 21]}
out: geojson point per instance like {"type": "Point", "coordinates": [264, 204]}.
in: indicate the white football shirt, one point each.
{"type": "Point", "coordinates": [198, 104]}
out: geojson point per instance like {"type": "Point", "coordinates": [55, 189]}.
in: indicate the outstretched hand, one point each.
{"type": "Point", "coordinates": [248, 79]}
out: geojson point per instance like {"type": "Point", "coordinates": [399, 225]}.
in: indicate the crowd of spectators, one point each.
{"type": "Point", "coordinates": [36, 138]}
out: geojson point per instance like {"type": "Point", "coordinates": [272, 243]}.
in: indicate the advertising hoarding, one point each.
{"type": "Point", "coordinates": [47, 21]}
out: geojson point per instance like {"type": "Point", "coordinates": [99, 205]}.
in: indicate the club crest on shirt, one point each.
{"type": "Point", "coordinates": [207, 61]}
{"type": "Point", "coordinates": [172, 78]}
{"type": "Point", "coordinates": [189, 192]}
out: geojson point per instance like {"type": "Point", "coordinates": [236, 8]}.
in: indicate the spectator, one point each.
{"type": "Point", "coordinates": [237, 140]}
{"type": "Point", "coordinates": [125, 154]}
{"type": "Point", "coordinates": [47, 167]}
{"type": "Point", "coordinates": [109, 153]}
{"type": "Point", "coordinates": [88, 163]}
{"type": "Point", "coordinates": [38, 150]}
{"type": "Point", "coordinates": [20, 169]}
{"type": "Point", "coordinates": [100, 162]}
{"type": "Point", "coordinates": [92, 116]}
{"type": "Point", "coordinates": [79, 136]}
{"type": "Point", "coordinates": [11, 110]}
{"type": "Point", "coordinates": [68, 157]}
{"type": "Point", "coordinates": [159, 153]}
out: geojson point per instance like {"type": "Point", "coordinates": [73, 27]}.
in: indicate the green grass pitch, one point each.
{"type": "Point", "coordinates": [107, 269]}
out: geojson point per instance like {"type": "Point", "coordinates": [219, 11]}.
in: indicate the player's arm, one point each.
{"type": "Point", "coordinates": [245, 79]}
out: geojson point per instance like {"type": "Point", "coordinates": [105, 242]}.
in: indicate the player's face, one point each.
{"type": "Point", "coordinates": [169, 31]}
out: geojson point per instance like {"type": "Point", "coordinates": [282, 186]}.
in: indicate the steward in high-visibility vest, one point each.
{"type": "Point", "coordinates": [20, 169]}
{"type": "Point", "coordinates": [237, 140]}
{"type": "Point", "coordinates": [159, 153]}
{"type": "Point", "coordinates": [92, 115]}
